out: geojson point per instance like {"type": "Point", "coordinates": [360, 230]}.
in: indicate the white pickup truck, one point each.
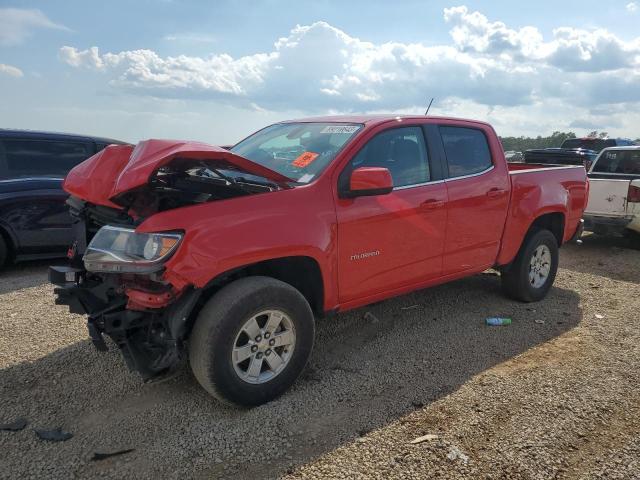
{"type": "Point", "coordinates": [614, 194]}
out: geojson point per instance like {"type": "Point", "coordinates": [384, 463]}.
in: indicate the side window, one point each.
{"type": "Point", "coordinates": [402, 151]}
{"type": "Point", "coordinates": [466, 149]}
{"type": "Point", "coordinates": [38, 158]}
{"type": "Point", "coordinates": [625, 162]}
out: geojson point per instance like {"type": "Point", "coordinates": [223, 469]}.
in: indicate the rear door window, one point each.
{"type": "Point", "coordinates": [41, 158]}
{"type": "Point", "coordinates": [466, 149]}
{"type": "Point", "coordinates": [623, 162]}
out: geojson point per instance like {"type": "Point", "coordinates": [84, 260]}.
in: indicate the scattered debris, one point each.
{"type": "Point", "coordinates": [599, 316]}
{"type": "Point", "coordinates": [103, 456]}
{"type": "Point", "coordinates": [55, 435]}
{"type": "Point", "coordinates": [424, 438]}
{"type": "Point", "coordinates": [497, 321]}
{"type": "Point", "coordinates": [410, 307]}
{"type": "Point", "coordinates": [456, 454]}
{"type": "Point", "coordinates": [14, 426]}
{"type": "Point", "coordinates": [539, 321]}
{"type": "Point", "coordinates": [371, 317]}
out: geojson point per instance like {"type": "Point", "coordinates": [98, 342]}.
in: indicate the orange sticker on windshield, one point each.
{"type": "Point", "coordinates": [305, 159]}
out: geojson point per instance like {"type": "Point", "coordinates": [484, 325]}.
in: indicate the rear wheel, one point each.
{"type": "Point", "coordinates": [4, 252]}
{"type": "Point", "coordinates": [533, 272]}
{"type": "Point", "coordinates": [251, 340]}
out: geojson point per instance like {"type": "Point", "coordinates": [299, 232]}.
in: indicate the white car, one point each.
{"type": "Point", "coordinates": [614, 194]}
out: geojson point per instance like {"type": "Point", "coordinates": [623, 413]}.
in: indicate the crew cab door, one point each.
{"type": "Point", "coordinates": [392, 240]}
{"type": "Point", "coordinates": [478, 188]}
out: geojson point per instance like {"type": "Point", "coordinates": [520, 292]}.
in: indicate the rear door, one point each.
{"type": "Point", "coordinates": [390, 241]}
{"type": "Point", "coordinates": [34, 169]}
{"type": "Point", "coordinates": [478, 191]}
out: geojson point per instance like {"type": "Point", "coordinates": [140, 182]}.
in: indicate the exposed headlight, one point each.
{"type": "Point", "coordinates": [115, 249]}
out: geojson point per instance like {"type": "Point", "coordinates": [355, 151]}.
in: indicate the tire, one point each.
{"type": "Point", "coordinates": [218, 330]}
{"type": "Point", "coordinates": [517, 282]}
{"type": "Point", "coordinates": [4, 252]}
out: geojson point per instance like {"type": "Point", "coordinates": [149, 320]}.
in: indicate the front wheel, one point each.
{"type": "Point", "coordinates": [251, 340]}
{"type": "Point", "coordinates": [532, 273]}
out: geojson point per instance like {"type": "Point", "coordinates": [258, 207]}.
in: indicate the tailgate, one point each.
{"type": "Point", "coordinates": [607, 197]}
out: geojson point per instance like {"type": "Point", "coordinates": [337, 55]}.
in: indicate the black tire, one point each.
{"type": "Point", "coordinates": [4, 252]}
{"type": "Point", "coordinates": [515, 280]}
{"type": "Point", "coordinates": [220, 321]}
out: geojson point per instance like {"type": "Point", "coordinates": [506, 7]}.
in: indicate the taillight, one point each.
{"type": "Point", "coordinates": [633, 195]}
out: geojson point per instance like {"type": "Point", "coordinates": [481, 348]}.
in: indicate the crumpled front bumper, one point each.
{"type": "Point", "coordinates": [150, 340]}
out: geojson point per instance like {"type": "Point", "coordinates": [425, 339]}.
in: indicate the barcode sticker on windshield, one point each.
{"type": "Point", "coordinates": [305, 159]}
{"type": "Point", "coordinates": [340, 129]}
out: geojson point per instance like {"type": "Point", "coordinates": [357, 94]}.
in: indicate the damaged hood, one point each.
{"type": "Point", "coordinates": [121, 168]}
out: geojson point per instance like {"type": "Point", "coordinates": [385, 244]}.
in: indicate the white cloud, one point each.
{"type": "Point", "coordinates": [17, 24]}
{"type": "Point", "coordinates": [487, 67]}
{"type": "Point", "coordinates": [632, 7]}
{"type": "Point", "coordinates": [10, 70]}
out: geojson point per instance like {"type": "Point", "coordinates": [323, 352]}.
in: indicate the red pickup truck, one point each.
{"type": "Point", "coordinates": [227, 255]}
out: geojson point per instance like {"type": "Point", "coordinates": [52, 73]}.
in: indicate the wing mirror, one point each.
{"type": "Point", "coordinates": [368, 181]}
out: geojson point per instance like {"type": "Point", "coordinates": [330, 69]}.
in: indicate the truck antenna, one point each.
{"type": "Point", "coordinates": [429, 107]}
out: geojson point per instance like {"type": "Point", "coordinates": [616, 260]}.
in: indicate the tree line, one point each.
{"type": "Point", "coordinates": [520, 144]}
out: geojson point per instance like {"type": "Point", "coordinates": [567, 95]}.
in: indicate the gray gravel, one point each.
{"type": "Point", "coordinates": [532, 400]}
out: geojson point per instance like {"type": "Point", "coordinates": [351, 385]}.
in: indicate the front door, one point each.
{"type": "Point", "coordinates": [395, 240]}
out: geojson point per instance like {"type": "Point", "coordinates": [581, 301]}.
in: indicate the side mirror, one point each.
{"type": "Point", "coordinates": [368, 181]}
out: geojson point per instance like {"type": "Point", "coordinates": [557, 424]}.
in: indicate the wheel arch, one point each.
{"type": "Point", "coordinates": [301, 272]}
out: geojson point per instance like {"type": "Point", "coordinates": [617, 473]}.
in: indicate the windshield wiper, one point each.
{"type": "Point", "coordinates": [229, 181]}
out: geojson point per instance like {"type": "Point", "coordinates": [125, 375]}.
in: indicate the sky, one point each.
{"type": "Point", "coordinates": [217, 71]}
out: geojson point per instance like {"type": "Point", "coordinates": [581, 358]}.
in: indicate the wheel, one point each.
{"type": "Point", "coordinates": [251, 340]}
{"type": "Point", "coordinates": [3, 252]}
{"type": "Point", "coordinates": [533, 271]}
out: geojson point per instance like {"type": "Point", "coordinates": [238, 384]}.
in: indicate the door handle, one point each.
{"type": "Point", "coordinates": [432, 204]}
{"type": "Point", "coordinates": [495, 193]}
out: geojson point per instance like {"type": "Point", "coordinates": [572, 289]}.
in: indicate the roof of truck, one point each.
{"type": "Point", "coordinates": [376, 119]}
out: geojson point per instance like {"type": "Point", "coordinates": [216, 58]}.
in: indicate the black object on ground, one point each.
{"type": "Point", "coordinates": [55, 435]}
{"type": "Point", "coordinates": [102, 456]}
{"type": "Point", "coordinates": [14, 426]}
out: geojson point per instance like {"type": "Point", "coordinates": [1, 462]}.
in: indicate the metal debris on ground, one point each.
{"type": "Point", "coordinates": [599, 316]}
{"type": "Point", "coordinates": [103, 456]}
{"type": "Point", "coordinates": [410, 307]}
{"type": "Point", "coordinates": [14, 426]}
{"type": "Point", "coordinates": [424, 438]}
{"type": "Point", "coordinates": [55, 435]}
{"type": "Point", "coordinates": [497, 321]}
{"type": "Point", "coordinates": [539, 321]}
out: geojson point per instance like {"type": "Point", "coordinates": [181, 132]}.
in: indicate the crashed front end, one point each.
{"type": "Point", "coordinates": [116, 274]}
{"type": "Point", "coordinates": [117, 280]}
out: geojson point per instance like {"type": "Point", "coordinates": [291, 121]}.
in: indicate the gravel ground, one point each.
{"type": "Point", "coordinates": [556, 394]}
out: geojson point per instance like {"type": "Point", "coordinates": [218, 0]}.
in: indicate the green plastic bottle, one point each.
{"type": "Point", "coordinates": [497, 321]}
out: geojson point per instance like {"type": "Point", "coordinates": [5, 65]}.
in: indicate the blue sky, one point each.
{"type": "Point", "coordinates": [215, 71]}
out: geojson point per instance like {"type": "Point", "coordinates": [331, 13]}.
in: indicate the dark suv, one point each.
{"type": "Point", "coordinates": [34, 220]}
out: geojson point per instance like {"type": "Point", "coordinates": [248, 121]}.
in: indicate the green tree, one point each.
{"type": "Point", "coordinates": [520, 144]}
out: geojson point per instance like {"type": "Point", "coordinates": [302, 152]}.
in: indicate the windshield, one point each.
{"type": "Point", "coordinates": [625, 162]}
{"type": "Point", "coordinates": [300, 151]}
{"type": "Point", "coordinates": [596, 144]}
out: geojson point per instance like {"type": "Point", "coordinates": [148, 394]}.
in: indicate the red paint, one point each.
{"type": "Point", "coordinates": [368, 248]}
{"type": "Point", "coordinates": [370, 178]}
{"type": "Point", "coordinates": [141, 300]}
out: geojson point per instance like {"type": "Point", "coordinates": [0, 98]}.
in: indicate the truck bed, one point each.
{"type": "Point", "coordinates": [537, 189]}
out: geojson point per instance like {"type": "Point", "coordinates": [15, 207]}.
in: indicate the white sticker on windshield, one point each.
{"type": "Point", "coordinates": [340, 129]}
{"type": "Point", "coordinates": [306, 178]}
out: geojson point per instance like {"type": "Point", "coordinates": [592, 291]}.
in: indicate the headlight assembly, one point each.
{"type": "Point", "coordinates": [122, 250]}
